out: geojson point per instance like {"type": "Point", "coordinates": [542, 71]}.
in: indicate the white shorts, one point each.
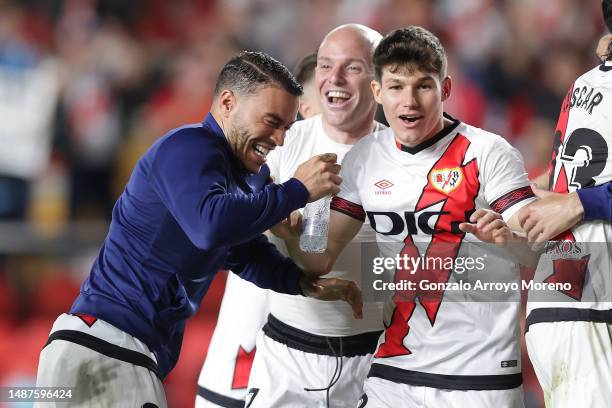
{"type": "Point", "coordinates": [381, 393]}
{"type": "Point", "coordinates": [283, 371]}
{"type": "Point", "coordinates": [573, 362]}
{"type": "Point", "coordinates": [224, 377]}
{"type": "Point", "coordinates": [69, 360]}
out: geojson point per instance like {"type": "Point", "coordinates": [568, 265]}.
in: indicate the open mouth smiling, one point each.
{"type": "Point", "coordinates": [410, 119]}
{"type": "Point", "coordinates": [261, 150]}
{"type": "Point", "coordinates": [336, 97]}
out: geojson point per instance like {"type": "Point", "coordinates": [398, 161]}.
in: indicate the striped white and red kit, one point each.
{"type": "Point", "coordinates": [569, 331]}
{"type": "Point", "coordinates": [417, 197]}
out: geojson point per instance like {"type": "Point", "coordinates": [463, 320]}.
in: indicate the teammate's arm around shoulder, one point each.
{"type": "Point", "coordinates": [342, 229]}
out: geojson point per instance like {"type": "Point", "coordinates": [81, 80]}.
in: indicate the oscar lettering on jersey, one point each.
{"type": "Point", "coordinates": [585, 98]}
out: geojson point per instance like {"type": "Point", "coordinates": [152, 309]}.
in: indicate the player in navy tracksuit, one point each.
{"type": "Point", "coordinates": [186, 212]}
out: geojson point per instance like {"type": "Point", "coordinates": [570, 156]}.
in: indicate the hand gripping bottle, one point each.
{"type": "Point", "coordinates": [316, 223]}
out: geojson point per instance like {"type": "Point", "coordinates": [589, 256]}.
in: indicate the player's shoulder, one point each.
{"type": "Point", "coordinates": [188, 141]}
{"type": "Point", "coordinates": [599, 76]}
{"type": "Point", "coordinates": [380, 136]}
{"type": "Point", "coordinates": [188, 134]}
{"type": "Point", "coordinates": [482, 139]}
{"type": "Point", "coordinates": [302, 131]}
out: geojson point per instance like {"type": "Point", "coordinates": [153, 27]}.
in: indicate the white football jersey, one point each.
{"type": "Point", "coordinates": [304, 140]}
{"type": "Point", "coordinates": [581, 158]}
{"type": "Point", "coordinates": [421, 194]}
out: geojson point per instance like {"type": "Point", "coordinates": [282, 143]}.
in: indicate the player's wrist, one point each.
{"type": "Point", "coordinates": [307, 285]}
{"type": "Point", "coordinates": [298, 191]}
{"type": "Point", "coordinates": [517, 237]}
{"type": "Point", "coordinates": [576, 207]}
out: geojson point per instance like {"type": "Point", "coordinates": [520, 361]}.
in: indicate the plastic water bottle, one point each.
{"type": "Point", "coordinates": [316, 223]}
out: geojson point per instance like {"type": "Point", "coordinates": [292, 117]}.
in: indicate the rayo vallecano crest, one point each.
{"type": "Point", "coordinates": [446, 180]}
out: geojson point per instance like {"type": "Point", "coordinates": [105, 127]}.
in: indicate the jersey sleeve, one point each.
{"type": "Point", "coordinates": [347, 201]}
{"type": "Point", "coordinates": [506, 187]}
{"type": "Point", "coordinates": [191, 178]}
{"type": "Point", "coordinates": [259, 262]}
{"type": "Point", "coordinates": [597, 202]}
{"type": "Point", "coordinates": [259, 180]}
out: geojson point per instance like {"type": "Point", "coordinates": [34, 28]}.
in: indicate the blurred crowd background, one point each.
{"type": "Point", "coordinates": [87, 85]}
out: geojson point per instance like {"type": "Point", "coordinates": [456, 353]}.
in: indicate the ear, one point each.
{"type": "Point", "coordinates": [226, 102]}
{"type": "Point", "coordinates": [446, 88]}
{"type": "Point", "coordinates": [305, 109]}
{"type": "Point", "coordinates": [376, 88]}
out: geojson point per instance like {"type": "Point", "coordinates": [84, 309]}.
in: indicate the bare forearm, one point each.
{"type": "Point", "coordinates": [541, 181]}
{"type": "Point", "coordinates": [311, 263]}
{"type": "Point", "coordinates": [546, 218]}
{"type": "Point", "coordinates": [342, 229]}
{"type": "Point", "coordinates": [524, 253]}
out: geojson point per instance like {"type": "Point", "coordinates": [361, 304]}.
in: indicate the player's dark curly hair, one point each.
{"type": "Point", "coordinates": [410, 46]}
{"type": "Point", "coordinates": [305, 69]}
{"type": "Point", "coordinates": [606, 6]}
{"type": "Point", "coordinates": [248, 71]}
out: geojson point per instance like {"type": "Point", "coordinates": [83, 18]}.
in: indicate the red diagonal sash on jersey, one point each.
{"type": "Point", "coordinates": [458, 205]}
{"type": "Point", "coordinates": [560, 186]}
{"type": "Point", "coordinates": [87, 319]}
{"type": "Point", "coordinates": [572, 271]}
{"type": "Point", "coordinates": [242, 369]}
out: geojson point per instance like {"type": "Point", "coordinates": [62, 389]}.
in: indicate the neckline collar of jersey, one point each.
{"type": "Point", "coordinates": [433, 140]}
{"type": "Point", "coordinates": [212, 124]}
{"type": "Point", "coordinates": [605, 66]}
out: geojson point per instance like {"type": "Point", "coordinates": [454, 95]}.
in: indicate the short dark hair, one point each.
{"type": "Point", "coordinates": [305, 69]}
{"type": "Point", "coordinates": [410, 46]}
{"type": "Point", "coordinates": [248, 71]}
{"type": "Point", "coordinates": [606, 7]}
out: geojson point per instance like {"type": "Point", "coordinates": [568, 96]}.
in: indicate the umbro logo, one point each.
{"type": "Point", "coordinates": [383, 185]}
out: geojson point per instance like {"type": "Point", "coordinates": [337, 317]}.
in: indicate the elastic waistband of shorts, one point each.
{"type": "Point", "coordinates": [345, 346]}
{"type": "Point", "coordinates": [447, 382]}
{"type": "Point", "coordinates": [567, 314]}
{"type": "Point", "coordinates": [104, 347]}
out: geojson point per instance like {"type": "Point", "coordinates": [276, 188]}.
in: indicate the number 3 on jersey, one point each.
{"type": "Point", "coordinates": [577, 158]}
